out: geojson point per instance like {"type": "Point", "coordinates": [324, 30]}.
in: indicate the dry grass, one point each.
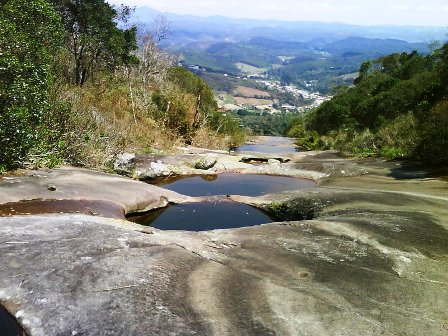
{"type": "Point", "coordinates": [252, 101]}
{"type": "Point", "coordinates": [247, 92]}
{"type": "Point", "coordinates": [100, 121]}
{"type": "Point", "coordinates": [205, 138]}
{"type": "Point", "coordinates": [117, 114]}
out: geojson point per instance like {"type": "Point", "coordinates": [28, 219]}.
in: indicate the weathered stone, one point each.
{"type": "Point", "coordinates": [51, 187]}
{"type": "Point", "coordinates": [274, 162]}
{"type": "Point", "coordinates": [84, 185]}
{"type": "Point", "coordinates": [125, 163]}
{"type": "Point", "coordinates": [153, 170]}
{"type": "Point", "coordinates": [205, 162]}
{"type": "Point", "coordinates": [369, 256]}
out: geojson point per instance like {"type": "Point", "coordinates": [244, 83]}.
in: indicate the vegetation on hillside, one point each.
{"type": "Point", "coordinates": [75, 87]}
{"type": "Point", "coordinates": [30, 33]}
{"type": "Point", "coordinates": [322, 63]}
{"type": "Point", "coordinates": [398, 107]}
{"type": "Point", "coordinates": [264, 123]}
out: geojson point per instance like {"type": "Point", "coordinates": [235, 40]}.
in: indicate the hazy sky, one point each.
{"type": "Point", "coordinates": [364, 12]}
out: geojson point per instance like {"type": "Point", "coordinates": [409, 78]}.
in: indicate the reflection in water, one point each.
{"type": "Point", "coordinates": [43, 206]}
{"type": "Point", "coordinates": [271, 145]}
{"type": "Point", "coordinates": [204, 216]}
{"type": "Point", "coordinates": [209, 177]}
{"type": "Point", "coordinates": [235, 184]}
{"type": "Point", "coordinates": [267, 149]}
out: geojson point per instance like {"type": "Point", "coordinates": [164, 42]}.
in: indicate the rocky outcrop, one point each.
{"type": "Point", "coordinates": [264, 159]}
{"type": "Point", "coordinates": [125, 164]}
{"type": "Point", "coordinates": [365, 252]}
{"type": "Point", "coordinates": [73, 187]}
{"type": "Point", "coordinates": [206, 162]}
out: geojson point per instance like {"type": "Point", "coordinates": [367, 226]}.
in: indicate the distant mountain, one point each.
{"type": "Point", "coordinates": [359, 45]}
{"type": "Point", "coordinates": [189, 28]}
{"type": "Point", "coordinates": [295, 52]}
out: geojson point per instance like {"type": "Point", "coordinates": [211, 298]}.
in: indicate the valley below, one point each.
{"type": "Point", "coordinates": [364, 250]}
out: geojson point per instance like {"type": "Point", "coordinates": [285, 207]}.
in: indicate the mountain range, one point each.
{"type": "Point", "coordinates": [189, 28]}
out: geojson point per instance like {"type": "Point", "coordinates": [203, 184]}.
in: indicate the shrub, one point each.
{"type": "Point", "coordinates": [30, 34]}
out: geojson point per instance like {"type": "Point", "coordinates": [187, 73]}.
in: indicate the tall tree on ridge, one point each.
{"type": "Point", "coordinates": [93, 37]}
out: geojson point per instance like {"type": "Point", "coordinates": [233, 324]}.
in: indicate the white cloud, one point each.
{"type": "Point", "coordinates": [399, 7]}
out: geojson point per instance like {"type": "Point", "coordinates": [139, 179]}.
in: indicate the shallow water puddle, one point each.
{"type": "Point", "coordinates": [234, 184]}
{"type": "Point", "coordinates": [271, 145]}
{"type": "Point", "coordinates": [209, 215]}
{"type": "Point", "coordinates": [267, 149]}
{"type": "Point", "coordinates": [43, 206]}
{"type": "Point", "coordinates": [219, 213]}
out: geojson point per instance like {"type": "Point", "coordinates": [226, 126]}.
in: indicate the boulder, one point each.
{"type": "Point", "coordinates": [205, 162]}
{"type": "Point", "coordinates": [153, 170]}
{"type": "Point", "coordinates": [274, 162]}
{"type": "Point", "coordinates": [125, 164]}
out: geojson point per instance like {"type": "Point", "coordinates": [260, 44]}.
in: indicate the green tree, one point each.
{"type": "Point", "coordinates": [93, 37]}
{"type": "Point", "coordinates": [205, 99]}
{"type": "Point", "coordinates": [30, 34]}
{"type": "Point", "coordinates": [363, 71]}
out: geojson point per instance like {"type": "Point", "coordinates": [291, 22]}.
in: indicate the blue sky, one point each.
{"type": "Point", "coordinates": [363, 12]}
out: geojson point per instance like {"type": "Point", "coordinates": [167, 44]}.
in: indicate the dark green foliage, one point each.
{"type": "Point", "coordinates": [399, 107]}
{"type": "Point", "coordinates": [93, 37]}
{"type": "Point", "coordinates": [433, 132]}
{"type": "Point", "coordinates": [264, 123]}
{"type": "Point", "coordinates": [325, 64]}
{"type": "Point", "coordinates": [47, 117]}
{"type": "Point", "coordinates": [30, 34]}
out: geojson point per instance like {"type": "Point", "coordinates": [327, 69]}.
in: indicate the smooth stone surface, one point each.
{"type": "Point", "coordinates": [371, 259]}
{"type": "Point", "coordinates": [85, 185]}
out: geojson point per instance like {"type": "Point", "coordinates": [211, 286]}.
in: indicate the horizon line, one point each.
{"type": "Point", "coordinates": [294, 21]}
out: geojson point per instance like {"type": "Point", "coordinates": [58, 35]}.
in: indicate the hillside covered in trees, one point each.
{"type": "Point", "coordinates": [75, 87]}
{"type": "Point", "coordinates": [398, 107]}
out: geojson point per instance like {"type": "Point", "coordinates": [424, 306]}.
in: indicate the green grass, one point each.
{"type": "Point", "coordinates": [250, 70]}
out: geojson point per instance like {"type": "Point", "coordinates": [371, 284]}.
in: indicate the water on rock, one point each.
{"type": "Point", "coordinates": [234, 184]}
{"type": "Point", "coordinates": [270, 144]}
{"type": "Point", "coordinates": [210, 215]}
{"type": "Point", "coordinates": [8, 324]}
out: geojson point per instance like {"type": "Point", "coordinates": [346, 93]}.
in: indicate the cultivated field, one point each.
{"type": "Point", "coordinates": [250, 69]}
{"type": "Point", "coordinates": [252, 101]}
{"type": "Point", "coordinates": [247, 92]}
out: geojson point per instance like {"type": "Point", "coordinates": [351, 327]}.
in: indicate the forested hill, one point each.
{"type": "Point", "coordinates": [398, 107]}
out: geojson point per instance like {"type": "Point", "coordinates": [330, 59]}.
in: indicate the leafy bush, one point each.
{"type": "Point", "coordinates": [30, 34]}
{"type": "Point", "coordinates": [397, 109]}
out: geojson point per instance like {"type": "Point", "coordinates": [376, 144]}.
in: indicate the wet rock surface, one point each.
{"type": "Point", "coordinates": [82, 185]}
{"type": "Point", "coordinates": [363, 253]}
